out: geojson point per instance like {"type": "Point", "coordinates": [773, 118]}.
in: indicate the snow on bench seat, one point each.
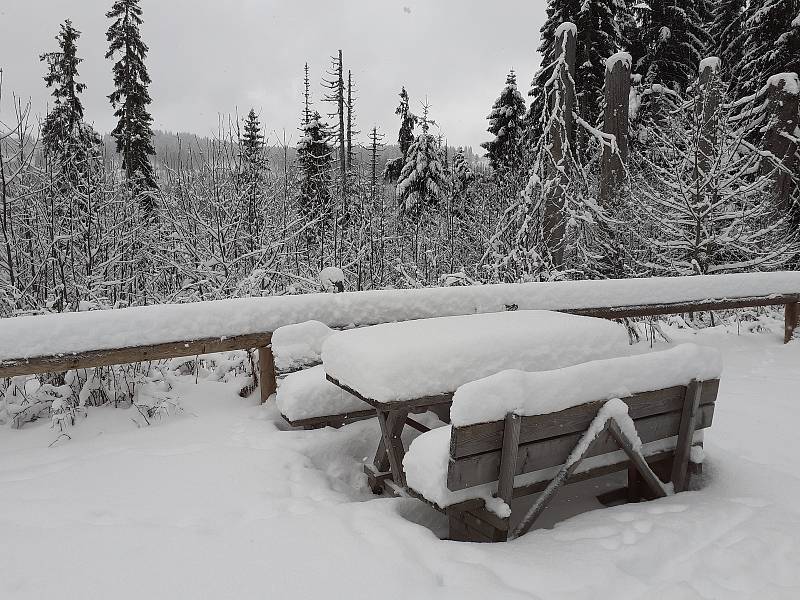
{"type": "Point", "coordinates": [298, 346]}
{"type": "Point", "coordinates": [417, 359]}
{"type": "Point", "coordinates": [307, 394]}
{"type": "Point", "coordinates": [537, 393]}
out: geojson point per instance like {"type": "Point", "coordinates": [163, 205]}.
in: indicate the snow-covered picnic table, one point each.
{"type": "Point", "coordinates": [415, 366]}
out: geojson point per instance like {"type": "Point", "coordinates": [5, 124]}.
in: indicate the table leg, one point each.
{"type": "Point", "coordinates": [392, 423]}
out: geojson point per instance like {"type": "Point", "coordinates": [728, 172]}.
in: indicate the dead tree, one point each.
{"type": "Point", "coordinates": [615, 123]}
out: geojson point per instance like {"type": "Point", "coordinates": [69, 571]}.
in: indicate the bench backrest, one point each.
{"type": "Point", "coordinates": [546, 441]}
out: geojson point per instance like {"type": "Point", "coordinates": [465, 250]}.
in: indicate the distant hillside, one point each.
{"type": "Point", "coordinates": [181, 147]}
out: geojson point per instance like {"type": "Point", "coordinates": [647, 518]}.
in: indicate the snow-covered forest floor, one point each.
{"type": "Point", "coordinates": [221, 501]}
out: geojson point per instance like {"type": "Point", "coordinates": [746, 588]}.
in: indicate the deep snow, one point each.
{"type": "Point", "coordinates": [220, 502]}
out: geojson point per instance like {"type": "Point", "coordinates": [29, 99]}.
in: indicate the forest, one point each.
{"type": "Point", "coordinates": [693, 170]}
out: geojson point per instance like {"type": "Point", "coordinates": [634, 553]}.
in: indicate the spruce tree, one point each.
{"type": "Point", "coordinates": [408, 121]}
{"type": "Point", "coordinates": [253, 175]}
{"type": "Point", "coordinates": [315, 155]}
{"type": "Point", "coordinates": [674, 42]}
{"type": "Point", "coordinates": [506, 125]}
{"type": "Point", "coordinates": [66, 137]}
{"type": "Point", "coordinates": [727, 25]}
{"type": "Point", "coordinates": [133, 133]}
{"type": "Point", "coordinates": [771, 44]}
{"type": "Point", "coordinates": [423, 175]}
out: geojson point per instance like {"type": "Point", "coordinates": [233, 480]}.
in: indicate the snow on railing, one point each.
{"type": "Point", "coordinates": [36, 344]}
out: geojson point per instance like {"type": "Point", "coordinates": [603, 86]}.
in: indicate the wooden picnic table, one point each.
{"type": "Point", "coordinates": [402, 369]}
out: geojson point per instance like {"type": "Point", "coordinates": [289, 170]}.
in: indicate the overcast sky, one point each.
{"type": "Point", "coordinates": [214, 57]}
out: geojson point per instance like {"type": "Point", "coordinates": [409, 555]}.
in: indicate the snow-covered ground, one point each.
{"type": "Point", "coordinates": [221, 501]}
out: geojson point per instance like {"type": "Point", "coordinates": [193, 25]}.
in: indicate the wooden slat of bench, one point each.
{"type": "Point", "coordinates": [544, 454]}
{"type": "Point", "coordinates": [487, 437]}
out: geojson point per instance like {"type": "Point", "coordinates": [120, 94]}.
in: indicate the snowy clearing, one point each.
{"type": "Point", "coordinates": [220, 502]}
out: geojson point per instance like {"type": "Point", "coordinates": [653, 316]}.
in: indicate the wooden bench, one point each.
{"type": "Point", "coordinates": [416, 366]}
{"type": "Point", "coordinates": [523, 455]}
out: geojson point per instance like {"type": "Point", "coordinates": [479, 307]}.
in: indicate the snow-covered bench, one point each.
{"type": "Point", "coordinates": [415, 366]}
{"type": "Point", "coordinates": [517, 433]}
{"type": "Point", "coordinates": [305, 397]}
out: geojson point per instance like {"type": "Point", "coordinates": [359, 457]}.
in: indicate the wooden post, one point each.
{"type": "Point", "coordinates": [784, 106]}
{"type": "Point", "coordinates": [562, 139]}
{"type": "Point", "coordinates": [615, 122]}
{"type": "Point", "coordinates": [792, 320]}
{"type": "Point", "coordinates": [266, 369]}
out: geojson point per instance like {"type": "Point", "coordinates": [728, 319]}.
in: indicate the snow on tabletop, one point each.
{"type": "Point", "coordinates": [414, 359]}
{"type": "Point", "coordinates": [296, 346]}
{"type": "Point", "coordinates": [66, 333]}
{"type": "Point", "coordinates": [619, 57]}
{"type": "Point", "coordinates": [308, 394]}
{"type": "Point", "coordinates": [528, 394]}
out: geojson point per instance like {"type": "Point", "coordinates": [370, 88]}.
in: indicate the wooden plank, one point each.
{"type": "Point", "coordinates": [553, 452]}
{"type": "Point", "coordinates": [486, 437]}
{"type": "Point", "coordinates": [118, 356]}
{"type": "Point", "coordinates": [508, 457]}
{"type": "Point", "coordinates": [334, 421]}
{"type": "Point", "coordinates": [637, 460]}
{"type": "Point", "coordinates": [791, 320]}
{"type": "Point", "coordinates": [653, 460]}
{"type": "Point", "coordinates": [691, 406]}
{"type": "Point", "coordinates": [671, 308]}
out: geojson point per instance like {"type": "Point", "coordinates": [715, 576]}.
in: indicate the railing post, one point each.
{"type": "Point", "coordinates": [792, 320]}
{"type": "Point", "coordinates": [266, 369]}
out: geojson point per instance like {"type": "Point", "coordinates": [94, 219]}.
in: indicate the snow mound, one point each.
{"type": "Point", "coordinates": [298, 346]}
{"type": "Point", "coordinates": [414, 359]}
{"type": "Point", "coordinates": [528, 394]}
{"type": "Point", "coordinates": [308, 394]}
{"type": "Point", "coordinates": [332, 279]}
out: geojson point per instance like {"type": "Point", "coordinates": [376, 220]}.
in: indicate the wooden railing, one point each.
{"type": "Point", "coordinates": [359, 308]}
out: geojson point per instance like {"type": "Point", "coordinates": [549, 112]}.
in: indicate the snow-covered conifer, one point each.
{"type": "Point", "coordinates": [726, 31]}
{"type": "Point", "coordinates": [705, 199]}
{"type": "Point", "coordinates": [315, 155]}
{"type": "Point", "coordinates": [423, 175]}
{"type": "Point", "coordinates": [133, 133]}
{"type": "Point", "coordinates": [66, 137]}
{"type": "Point", "coordinates": [674, 41]}
{"type": "Point", "coordinates": [505, 124]}
{"type": "Point", "coordinates": [771, 44]}
{"type": "Point", "coordinates": [408, 121]}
